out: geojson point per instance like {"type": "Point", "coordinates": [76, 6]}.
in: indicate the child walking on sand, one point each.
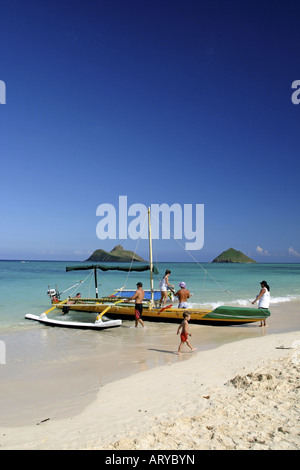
{"type": "Point", "coordinates": [184, 332]}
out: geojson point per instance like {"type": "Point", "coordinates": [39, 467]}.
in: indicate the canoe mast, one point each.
{"type": "Point", "coordinates": [150, 260]}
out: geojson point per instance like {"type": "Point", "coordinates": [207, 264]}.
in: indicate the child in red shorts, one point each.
{"type": "Point", "coordinates": [184, 332]}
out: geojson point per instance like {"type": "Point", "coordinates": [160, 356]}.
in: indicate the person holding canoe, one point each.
{"type": "Point", "coordinates": [164, 285]}
{"type": "Point", "coordinates": [183, 294]}
{"type": "Point", "coordinates": [263, 299]}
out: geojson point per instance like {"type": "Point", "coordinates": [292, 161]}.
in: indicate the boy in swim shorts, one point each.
{"type": "Point", "coordinates": [138, 297]}
{"type": "Point", "coordinates": [184, 332]}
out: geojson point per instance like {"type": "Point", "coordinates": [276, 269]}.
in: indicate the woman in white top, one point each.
{"type": "Point", "coordinates": [164, 285]}
{"type": "Point", "coordinates": [263, 298]}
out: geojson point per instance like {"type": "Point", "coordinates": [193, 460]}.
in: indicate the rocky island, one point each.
{"type": "Point", "coordinates": [233, 256]}
{"type": "Point", "coordinates": [116, 255]}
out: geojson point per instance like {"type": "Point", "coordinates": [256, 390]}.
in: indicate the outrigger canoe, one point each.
{"type": "Point", "coordinates": [118, 305]}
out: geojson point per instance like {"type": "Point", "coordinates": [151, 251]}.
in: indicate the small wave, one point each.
{"type": "Point", "coordinates": [240, 302]}
{"type": "Point", "coordinates": [243, 302]}
{"type": "Point", "coordinates": [212, 305]}
{"type": "Point", "coordinates": [273, 300]}
{"type": "Point", "coordinates": [279, 300]}
{"type": "Point", "coordinates": [247, 303]}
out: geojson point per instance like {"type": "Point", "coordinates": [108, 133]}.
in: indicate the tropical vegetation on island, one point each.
{"type": "Point", "coordinates": [117, 254]}
{"type": "Point", "coordinates": [233, 256]}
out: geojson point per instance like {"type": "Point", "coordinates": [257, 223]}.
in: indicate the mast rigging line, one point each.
{"type": "Point", "coordinates": [137, 244]}
{"type": "Point", "coordinates": [207, 273]}
{"type": "Point", "coordinates": [197, 262]}
{"type": "Point", "coordinates": [78, 283]}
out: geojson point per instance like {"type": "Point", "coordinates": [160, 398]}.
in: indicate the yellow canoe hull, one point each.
{"type": "Point", "coordinates": [220, 315]}
{"type": "Point", "coordinates": [129, 311]}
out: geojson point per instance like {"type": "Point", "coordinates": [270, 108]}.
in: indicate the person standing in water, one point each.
{"type": "Point", "coordinates": [164, 285]}
{"type": "Point", "coordinates": [183, 294]}
{"type": "Point", "coordinates": [138, 297]}
{"type": "Point", "coordinates": [263, 299]}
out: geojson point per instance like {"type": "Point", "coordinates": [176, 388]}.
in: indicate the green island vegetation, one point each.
{"type": "Point", "coordinates": [233, 256]}
{"type": "Point", "coordinates": [117, 254]}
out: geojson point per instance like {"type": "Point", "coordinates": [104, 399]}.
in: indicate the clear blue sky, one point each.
{"type": "Point", "coordinates": [162, 101]}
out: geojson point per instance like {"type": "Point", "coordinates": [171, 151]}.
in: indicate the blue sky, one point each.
{"type": "Point", "coordinates": [183, 102]}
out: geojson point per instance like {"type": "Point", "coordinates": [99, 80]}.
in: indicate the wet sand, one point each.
{"type": "Point", "coordinates": [107, 380]}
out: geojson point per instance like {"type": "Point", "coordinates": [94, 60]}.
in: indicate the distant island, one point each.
{"type": "Point", "coordinates": [117, 254]}
{"type": "Point", "coordinates": [233, 256]}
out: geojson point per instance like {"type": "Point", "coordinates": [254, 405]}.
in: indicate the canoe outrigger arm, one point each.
{"type": "Point", "coordinates": [99, 317]}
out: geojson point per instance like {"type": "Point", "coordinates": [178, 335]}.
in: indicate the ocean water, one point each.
{"type": "Point", "coordinates": [24, 284]}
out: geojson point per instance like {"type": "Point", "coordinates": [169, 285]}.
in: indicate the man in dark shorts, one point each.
{"type": "Point", "coordinates": [138, 297]}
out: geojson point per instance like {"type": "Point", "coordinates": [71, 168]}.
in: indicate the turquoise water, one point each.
{"type": "Point", "coordinates": [24, 284]}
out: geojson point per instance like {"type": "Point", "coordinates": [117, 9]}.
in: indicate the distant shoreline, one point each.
{"type": "Point", "coordinates": [158, 262]}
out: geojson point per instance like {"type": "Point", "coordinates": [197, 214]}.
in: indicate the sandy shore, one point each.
{"type": "Point", "coordinates": [242, 395]}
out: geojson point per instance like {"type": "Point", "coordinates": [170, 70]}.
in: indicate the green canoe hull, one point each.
{"type": "Point", "coordinates": [234, 315]}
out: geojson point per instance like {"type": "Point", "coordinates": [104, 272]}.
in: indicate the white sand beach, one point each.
{"type": "Point", "coordinates": [242, 395]}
